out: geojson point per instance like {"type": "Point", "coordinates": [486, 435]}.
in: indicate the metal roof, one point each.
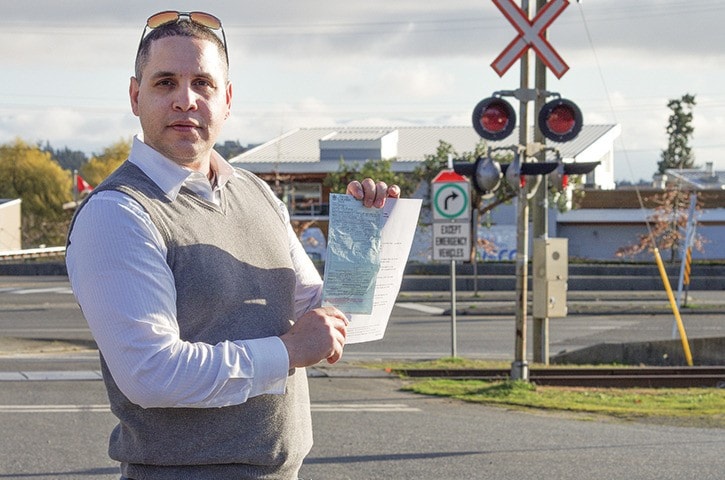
{"type": "Point", "coordinates": [299, 150]}
{"type": "Point", "coordinates": [348, 134]}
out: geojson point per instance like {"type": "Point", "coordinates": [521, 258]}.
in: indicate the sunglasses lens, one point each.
{"type": "Point", "coordinates": [205, 19]}
{"type": "Point", "coordinates": [161, 18]}
{"type": "Point", "coordinates": [200, 18]}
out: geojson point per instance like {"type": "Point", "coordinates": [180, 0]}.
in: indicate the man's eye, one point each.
{"type": "Point", "coordinates": [164, 83]}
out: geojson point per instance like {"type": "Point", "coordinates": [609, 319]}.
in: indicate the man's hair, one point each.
{"type": "Point", "coordinates": [182, 28]}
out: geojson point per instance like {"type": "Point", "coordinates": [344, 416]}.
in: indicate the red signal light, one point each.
{"type": "Point", "coordinates": [560, 120]}
{"type": "Point", "coordinates": [494, 118]}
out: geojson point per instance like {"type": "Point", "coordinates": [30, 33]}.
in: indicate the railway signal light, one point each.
{"type": "Point", "coordinates": [559, 177]}
{"type": "Point", "coordinates": [494, 118]}
{"type": "Point", "coordinates": [517, 171]}
{"type": "Point", "coordinates": [560, 120]}
{"type": "Point", "coordinates": [558, 180]}
{"type": "Point", "coordinates": [513, 174]}
{"type": "Point", "coordinates": [485, 173]}
{"type": "Point", "coordinates": [488, 174]}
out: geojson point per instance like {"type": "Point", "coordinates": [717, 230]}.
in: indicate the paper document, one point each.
{"type": "Point", "coordinates": [353, 255]}
{"type": "Point", "coordinates": [367, 251]}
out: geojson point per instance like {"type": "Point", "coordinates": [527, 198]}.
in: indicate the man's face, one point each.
{"type": "Point", "coordinates": [182, 99]}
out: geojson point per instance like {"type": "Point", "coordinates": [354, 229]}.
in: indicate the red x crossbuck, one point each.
{"type": "Point", "coordinates": [531, 34]}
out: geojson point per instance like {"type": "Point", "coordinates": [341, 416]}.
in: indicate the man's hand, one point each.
{"type": "Point", "coordinates": [317, 335]}
{"type": "Point", "coordinates": [372, 194]}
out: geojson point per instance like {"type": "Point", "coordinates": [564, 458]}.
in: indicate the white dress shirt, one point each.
{"type": "Point", "coordinates": [127, 294]}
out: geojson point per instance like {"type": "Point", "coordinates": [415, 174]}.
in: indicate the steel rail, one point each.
{"type": "Point", "coordinates": [625, 377]}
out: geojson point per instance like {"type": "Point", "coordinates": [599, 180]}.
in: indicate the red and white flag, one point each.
{"type": "Point", "coordinates": [82, 185]}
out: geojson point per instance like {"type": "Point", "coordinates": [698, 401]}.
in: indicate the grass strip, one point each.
{"type": "Point", "coordinates": [697, 407]}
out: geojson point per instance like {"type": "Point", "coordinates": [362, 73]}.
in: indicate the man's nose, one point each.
{"type": "Point", "coordinates": [185, 99]}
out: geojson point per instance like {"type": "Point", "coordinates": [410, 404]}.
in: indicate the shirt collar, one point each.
{"type": "Point", "coordinates": [168, 175]}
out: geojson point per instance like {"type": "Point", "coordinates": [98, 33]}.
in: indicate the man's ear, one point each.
{"type": "Point", "coordinates": [229, 99]}
{"type": "Point", "coordinates": [133, 89]}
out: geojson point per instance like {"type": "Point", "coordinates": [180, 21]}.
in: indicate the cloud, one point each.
{"type": "Point", "coordinates": [308, 63]}
{"type": "Point", "coordinates": [419, 81]}
{"type": "Point", "coordinates": [67, 127]}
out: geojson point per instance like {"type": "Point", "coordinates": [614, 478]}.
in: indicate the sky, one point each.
{"type": "Point", "coordinates": [311, 63]}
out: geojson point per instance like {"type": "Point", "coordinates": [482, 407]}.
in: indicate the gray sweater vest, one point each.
{"type": "Point", "coordinates": [234, 281]}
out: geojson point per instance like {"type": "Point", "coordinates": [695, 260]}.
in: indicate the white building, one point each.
{"type": "Point", "coordinates": [10, 233]}
{"type": "Point", "coordinates": [302, 158]}
{"type": "Point", "coordinates": [310, 151]}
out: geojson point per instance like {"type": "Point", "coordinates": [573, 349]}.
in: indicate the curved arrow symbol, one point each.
{"type": "Point", "coordinates": [452, 196]}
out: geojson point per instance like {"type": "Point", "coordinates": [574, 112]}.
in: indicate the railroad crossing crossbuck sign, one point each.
{"type": "Point", "coordinates": [531, 34]}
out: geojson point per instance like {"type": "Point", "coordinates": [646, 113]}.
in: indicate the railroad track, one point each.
{"type": "Point", "coordinates": [625, 377]}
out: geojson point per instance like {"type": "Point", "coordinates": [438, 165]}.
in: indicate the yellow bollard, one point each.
{"type": "Point", "coordinates": [675, 310]}
{"type": "Point", "coordinates": [688, 263]}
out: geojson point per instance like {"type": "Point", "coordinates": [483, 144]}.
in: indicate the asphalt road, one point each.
{"type": "Point", "coordinates": [41, 313]}
{"type": "Point", "coordinates": [365, 426]}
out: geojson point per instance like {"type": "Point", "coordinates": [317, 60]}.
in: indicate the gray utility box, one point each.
{"type": "Point", "coordinates": [550, 277]}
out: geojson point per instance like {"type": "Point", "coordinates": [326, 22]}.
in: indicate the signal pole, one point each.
{"type": "Point", "coordinates": [520, 366]}
{"type": "Point", "coordinates": [558, 120]}
{"type": "Point", "coordinates": [540, 212]}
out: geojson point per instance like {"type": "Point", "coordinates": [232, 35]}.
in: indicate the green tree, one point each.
{"type": "Point", "coordinates": [483, 204]}
{"type": "Point", "coordinates": [68, 159]}
{"type": "Point", "coordinates": [377, 169]}
{"type": "Point", "coordinates": [43, 186]}
{"type": "Point", "coordinates": [231, 148]}
{"type": "Point", "coordinates": [102, 165]}
{"type": "Point", "coordinates": [434, 163]}
{"type": "Point", "coordinates": [679, 129]}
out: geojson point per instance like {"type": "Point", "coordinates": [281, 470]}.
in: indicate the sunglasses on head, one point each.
{"type": "Point", "coordinates": [200, 18]}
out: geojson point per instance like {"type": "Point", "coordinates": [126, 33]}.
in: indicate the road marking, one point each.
{"type": "Point", "coordinates": [315, 407]}
{"type": "Point", "coordinates": [363, 407]}
{"type": "Point", "coordinates": [54, 408]}
{"type": "Point", "coordinates": [419, 307]}
{"type": "Point", "coordinates": [28, 291]}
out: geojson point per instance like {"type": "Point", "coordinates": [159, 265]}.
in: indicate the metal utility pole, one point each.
{"type": "Point", "coordinates": [520, 366]}
{"type": "Point", "coordinates": [540, 212]}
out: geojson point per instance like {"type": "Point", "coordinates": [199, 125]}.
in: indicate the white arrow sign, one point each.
{"type": "Point", "coordinates": [531, 34]}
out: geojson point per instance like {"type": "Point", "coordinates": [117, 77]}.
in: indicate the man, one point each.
{"type": "Point", "coordinates": [201, 299]}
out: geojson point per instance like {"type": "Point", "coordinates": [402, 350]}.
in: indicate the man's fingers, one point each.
{"type": "Point", "coordinates": [381, 193]}
{"type": "Point", "coordinates": [355, 189]}
{"type": "Point", "coordinates": [372, 193]}
{"type": "Point", "coordinates": [369, 192]}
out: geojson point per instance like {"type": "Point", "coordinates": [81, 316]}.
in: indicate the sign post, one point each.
{"type": "Point", "coordinates": [451, 201]}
